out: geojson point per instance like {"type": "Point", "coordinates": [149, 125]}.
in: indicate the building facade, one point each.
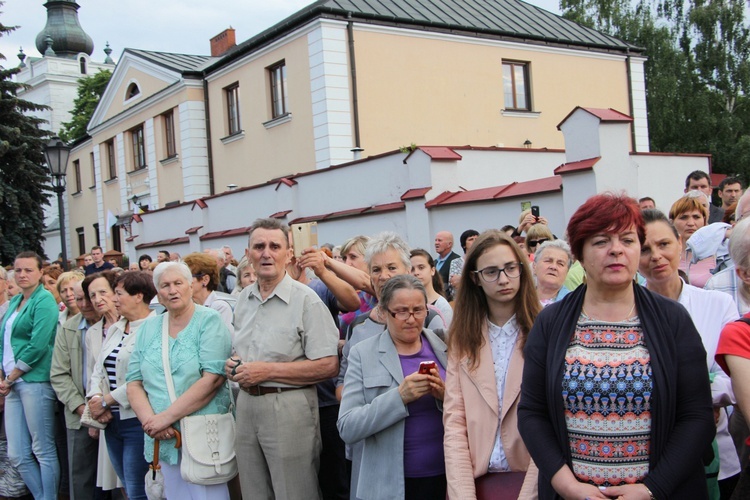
{"type": "Point", "coordinates": [334, 80]}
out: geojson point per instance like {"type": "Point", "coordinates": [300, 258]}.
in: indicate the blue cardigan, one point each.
{"type": "Point", "coordinates": [33, 334]}
{"type": "Point", "coordinates": [682, 425]}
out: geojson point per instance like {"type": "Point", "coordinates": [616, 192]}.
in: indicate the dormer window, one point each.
{"type": "Point", "coordinates": [132, 91]}
{"type": "Point", "coordinates": [83, 65]}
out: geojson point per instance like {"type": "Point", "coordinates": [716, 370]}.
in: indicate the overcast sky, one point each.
{"type": "Point", "coordinates": [183, 26]}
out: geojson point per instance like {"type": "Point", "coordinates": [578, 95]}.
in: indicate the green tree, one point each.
{"type": "Point", "coordinates": [24, 182]}
{"type": "Point", "coordinates": [90, 90]}
{"type": "Point", "coordinates": [697, 73]}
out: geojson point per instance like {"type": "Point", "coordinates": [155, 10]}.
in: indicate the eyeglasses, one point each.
{"type": "Point", "coordinates": [419, 314]}
{"type": "Point", "coordinates": [533, 243]}
{"type": "Point", "coordinates": [492, 274]}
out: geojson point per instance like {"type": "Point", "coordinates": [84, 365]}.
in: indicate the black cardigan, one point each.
{"type": "Point", "coordinates": [682, 422]}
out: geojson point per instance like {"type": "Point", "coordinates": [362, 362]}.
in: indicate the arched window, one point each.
{"type": "Point", "coordinates": [132, 91]}
{"type": "Point", "coordinates": [83, 65]}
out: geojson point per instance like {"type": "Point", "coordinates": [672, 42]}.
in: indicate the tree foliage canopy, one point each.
{"type": "Point", "coordinates": [24, 182]}
{"type": "Point", "coordinates": [90, 90]}
{"type": "Point", "coordinates": [697, 73]}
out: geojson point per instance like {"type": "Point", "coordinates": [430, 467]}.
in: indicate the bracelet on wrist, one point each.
{"type": "Point", "coordinates": [651, 495]}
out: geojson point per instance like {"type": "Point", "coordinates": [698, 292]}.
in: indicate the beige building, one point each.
{"type": "Point", "coordinates": [326, 83]}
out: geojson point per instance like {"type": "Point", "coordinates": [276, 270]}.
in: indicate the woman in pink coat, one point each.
{"type": "Point", "coordinates": [495, 308]}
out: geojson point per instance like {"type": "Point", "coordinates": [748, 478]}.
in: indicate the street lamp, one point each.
{"type": "Point", "coordinates": [56, 152]}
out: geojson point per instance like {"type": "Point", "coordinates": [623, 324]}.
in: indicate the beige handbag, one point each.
{"type": "Point", "coordinates": [207, 440]}
{"type": "Point", "coordinates": [88, 421]}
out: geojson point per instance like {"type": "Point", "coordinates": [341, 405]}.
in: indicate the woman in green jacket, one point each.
{"type": "Point", "coordinates": [28, 330]}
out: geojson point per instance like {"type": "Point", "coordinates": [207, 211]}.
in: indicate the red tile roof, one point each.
{"type": "Point", "coordinates": [440, 153]}
{"type": "Point", "coordinates": [280, 215]}
{"type": "Point", "coordinates": [387, 207]}
{"type": "Point", "coordinates": [287, 181]}
{"type": "Point", "coordinates": [225, 233]}
{"type": "Point", "coordinates": [536, 186]}
{"type": "Point", "coordinates": [577, 166]}
{"type": "Point", "coordinates": [200, 202]}
{"type": "Point", "coordinates": [604, 115]}
{"type": "Point", "coordinates": [193, 230]}
{"type": "Point", "coordinates": [163, 243]}
{"type": "Point", "coordinates": [415, 193]}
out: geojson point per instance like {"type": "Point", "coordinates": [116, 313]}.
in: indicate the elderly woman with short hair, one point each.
{"type": "Point", "coordinates": [205, 283]}
{"type": "Point", "coordinates": [552, 261]}
{"type": "Point", "coordinates": [399, 418]}
{"type": "Point", "coordinates": [198, 343]}
{"type": "Point", "coordinates": [133, 292]}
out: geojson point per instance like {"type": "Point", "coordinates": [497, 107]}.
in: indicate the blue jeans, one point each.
{"type": "Point", "coordinates": [30, 427]}
{"type": "Point", "coordinates": [125, 446]}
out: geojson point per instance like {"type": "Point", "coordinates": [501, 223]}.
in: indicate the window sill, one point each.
{"type": "Point", "coordinates": [279, 120]}
{"type": "Point", "coordinates": [92, 187]}
{"type": "Point", "coordinates": [135, 173]}
{"type": "Point", "coordinates": [170, 159]}
{"type": "Point", "coordinates": [520, 113]}
{"type": "Point", "coordinates": [234, 137]}
{"type": "Point", "coordinates": [77, 194]}
{"type": "Point", "coordinates": [113, 180]}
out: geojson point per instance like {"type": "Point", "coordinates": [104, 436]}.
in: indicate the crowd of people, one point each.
{"type": "Point", "coordinates": [609, 362]}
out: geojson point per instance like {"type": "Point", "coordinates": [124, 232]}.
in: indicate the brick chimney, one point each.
{"type": "Point", "coordinates": [222, 42]}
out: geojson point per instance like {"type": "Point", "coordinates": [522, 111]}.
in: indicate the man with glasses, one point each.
{"type": "Point", "coordinates": [445, 255]}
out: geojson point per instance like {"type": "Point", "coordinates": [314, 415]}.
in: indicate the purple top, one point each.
{"type": "Point", "coordinates": [423, 428]}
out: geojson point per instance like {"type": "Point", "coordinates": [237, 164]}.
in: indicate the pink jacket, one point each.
{"type": "Point", "coordinates": [470, 435]}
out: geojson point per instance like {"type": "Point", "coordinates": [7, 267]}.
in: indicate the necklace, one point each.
{"type": "Point", "coordinates": [597, 319]}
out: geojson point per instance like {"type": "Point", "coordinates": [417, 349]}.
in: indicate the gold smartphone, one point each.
{"type": "Point", "coordinates": [304, 235]}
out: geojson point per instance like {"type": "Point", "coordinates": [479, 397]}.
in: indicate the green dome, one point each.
{"type": "Point", "coordinates": [68, 37]}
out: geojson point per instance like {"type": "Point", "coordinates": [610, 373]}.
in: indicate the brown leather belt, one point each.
{"type": "Point", "coordinates": [259, 390]}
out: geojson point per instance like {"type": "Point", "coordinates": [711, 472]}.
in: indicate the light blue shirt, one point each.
{"type": "Point", "coordinates": [204, 345]}
{"type": "Point", "coordinates": [502, 342]}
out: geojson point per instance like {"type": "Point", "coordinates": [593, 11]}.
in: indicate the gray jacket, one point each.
{"type": "Point", "coordinates": [372, 412]}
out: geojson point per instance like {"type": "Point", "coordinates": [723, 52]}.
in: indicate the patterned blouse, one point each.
{"type": "Point", "coordinates": [607, 388]}
{"type": "Point", "coordinates": [204, 345]}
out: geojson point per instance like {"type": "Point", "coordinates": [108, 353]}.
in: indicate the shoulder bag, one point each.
{"type": "Point", "coordinates": [207, 440]}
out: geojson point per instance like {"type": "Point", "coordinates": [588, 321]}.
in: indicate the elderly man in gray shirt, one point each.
{"type": "Point", "coordinates": [285, 343]}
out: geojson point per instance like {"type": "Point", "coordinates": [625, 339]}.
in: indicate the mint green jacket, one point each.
{"type": "Point", "coordinates": [33, 334]}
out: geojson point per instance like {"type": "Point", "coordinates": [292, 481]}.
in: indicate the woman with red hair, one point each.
{"type": "Point", "coordinates": [612, 405]}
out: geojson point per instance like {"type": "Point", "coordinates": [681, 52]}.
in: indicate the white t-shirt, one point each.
{"type": "Point", "coordinates": [9, 361]}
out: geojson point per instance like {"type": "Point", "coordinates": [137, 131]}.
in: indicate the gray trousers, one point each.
{"type": "Point", "coordinates": [82, 462]}
{"type": "Point", "coordinates": [278, 445]}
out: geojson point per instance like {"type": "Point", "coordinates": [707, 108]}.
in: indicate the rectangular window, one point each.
{"type": "Point", "coordinates": [116, 242]}
{"type": "Point", "coordinates": [169, 140]}
{"type": "Point", "coordinates": [279, 97]}
{"type": "Point", "coordinates": [96, 235]}
{"type": "Point", "coordinates": [233, 109]}
{"type": "Point", "coordinates": [77, 174]}
{"type": "Point", "coordinates": [516, 85]}
{"type": "Point", "coordinates": [93, 170]}
{"type": "Point", "coordinates": [139, 148]}
{"type": "Point", "coordinates": [111, 165]}
{"type": "Point", "coordinates": [81, 241]}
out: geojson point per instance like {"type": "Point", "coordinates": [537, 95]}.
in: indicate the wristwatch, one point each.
{"type": "Point", "coordinates": [104, 403]}
{"type": "Point", "coordinates": [9, 382]}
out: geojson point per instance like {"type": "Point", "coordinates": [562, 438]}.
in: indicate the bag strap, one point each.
{"type": "Point", "coordinates": [743, 320]}
{"type": "Point", "coordinates": [165, 356]}
{"type": "Point", "coordinates": [168, 367]}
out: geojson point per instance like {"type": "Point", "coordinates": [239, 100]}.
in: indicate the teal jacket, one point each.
{"type": "Point", "coordinates": [33, 334]}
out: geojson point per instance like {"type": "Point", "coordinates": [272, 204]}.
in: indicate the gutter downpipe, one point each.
{"type": "Point", "coordinates": [630, 100]}
{"type": "Point", "coordinates": [353, 66]}
{"type": "Point", "coordinates": [209, 150]}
